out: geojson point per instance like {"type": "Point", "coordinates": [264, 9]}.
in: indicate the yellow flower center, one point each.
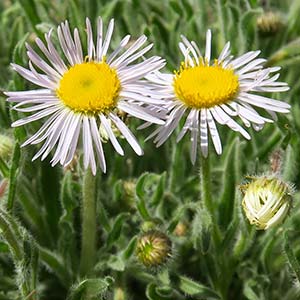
{"type": "Point", "coordinates": [90, 88]}
{"type": "Point", "coordinates": [205, 86]}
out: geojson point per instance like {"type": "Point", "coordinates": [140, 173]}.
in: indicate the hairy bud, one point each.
{"type": "Point", "coordinates": [6, 146]}
{"type": "Point", "coordinates": [266, 201]}
{"type": "Point", "coordinates": [154, 248]}
{"type": "Point", "coordinates": [269, 23]}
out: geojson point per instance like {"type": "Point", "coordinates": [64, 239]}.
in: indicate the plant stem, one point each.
{"type": "Point", "coordinates": [206, 197]}
{"type": "Point", "coordinates": [13, 175]}
{"type": "Point", "coordinates": [206, 185]}
{"type": "Point", "coordinates": [88, 243]}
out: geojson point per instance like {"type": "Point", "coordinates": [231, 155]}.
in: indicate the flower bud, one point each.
{"type": "Point", "coordinates": [269, 23]}
{"type": "Point", "coordinates": [266, 201]}
{"type": "Point", "coordinates": [6, 146]}
{"type": "Point", "coordinates": [153, 248]}
{"type": "Point", "coordinates": [103, 132]}
{"type": "Point", "coordinates": [180, 229]}
{"type": "Point", "coordinates": [3, 186]}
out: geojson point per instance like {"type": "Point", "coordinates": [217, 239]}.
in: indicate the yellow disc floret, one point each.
{"type": "Point", "coordinates": [205, 86]}
{"type": "Point", "coordinates": [90, 88]}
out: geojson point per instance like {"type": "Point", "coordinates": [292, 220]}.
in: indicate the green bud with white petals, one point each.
{"type": "Point", "coordinates": [267, 201]}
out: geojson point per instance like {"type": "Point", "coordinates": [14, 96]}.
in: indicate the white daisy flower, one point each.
{"type": "Point", "coordinates": [81, 93]}
{"type": "Point", "coordinates": [207, 92]}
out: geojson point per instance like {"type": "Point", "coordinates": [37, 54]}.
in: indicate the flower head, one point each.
{"type": "Point", "coordinates": [206, 92]}
{"type": "Point", "coordinates": [153, 248]}
{"type": "Point", "coordinates": [266, 201]}
{"type": "Point", "coordinates": [269, 23]}
{"type": "Point", "coordinates": [81, 94]}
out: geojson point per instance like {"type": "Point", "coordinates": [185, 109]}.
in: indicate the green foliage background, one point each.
{"type": "Point", "coordinates": [40, 214]}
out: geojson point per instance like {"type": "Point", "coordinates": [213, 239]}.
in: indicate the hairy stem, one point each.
{"type": "Point", "coordinates": [206, 185]}
{"type": "Point", "coordinates": [88, 243]}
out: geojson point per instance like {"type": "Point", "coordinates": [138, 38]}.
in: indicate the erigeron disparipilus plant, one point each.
{"type": "Point", "coordinates": [147, 229]}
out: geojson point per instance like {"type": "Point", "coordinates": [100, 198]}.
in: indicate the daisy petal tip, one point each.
{"type": "Point", "coordinates": [160, 122]}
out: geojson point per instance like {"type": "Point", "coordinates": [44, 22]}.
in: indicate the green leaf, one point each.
{"type": "Point", "coordinates": [228, 184]}
{"type": "Point", "coordinates": [201, 230]}
{"type": "Point", "coordinates": [3, 247]}
{"type": "Point", "coordinates": [116, 263]}
{"type": "Point", "coordinates": [90, 288]}
{"type": "Point", "coordinates": [30, 9]}
{"type": "Point", "coordinates": [159, 192]}
{"type": "Point", "coordinates": [141, 205]}
{"type": "Point", "coordinates": [176, 7]}
{"type": "Point", "coordinates": [56, 265]}
{"type": "Point", "coordinates": [129, 251]}
{"type": "Point", "coordinates": [115, 233]}
{"type": "Point", "coordinates": [249, 291]}
{"type": "Point", "coordinates": [196, 289]}
{"type": "Point", "coordinates": [4, 169]}
{"type": "Point", "coordinates": [13, 176]}
{"type": "Point", "coordinates": [153, 294]}
{"type": "Point", "coordinates": [293, 262]}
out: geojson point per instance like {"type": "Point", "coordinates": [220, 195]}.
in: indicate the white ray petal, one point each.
{"type": "Point", "coordinates": [44, 127]}
{"type": "Point", "coordinates": [187, 125]}
{"type": "Point", "coordinates": [114, 54]}
{"type": "Point", "coordinates": [139, 112]}
{"type": "Point", "coordinates": [98, 144]}
{"type": "Point", "coordinates": [90, 42]}
{"type": "Point", "coordinates": [134, 47]}
{"type": "Point", "coordinates": [111, 135]}
{"type": "Point", "coordinates": [244, 59]}
{"type": "Point", "coordinates": [107, 37]}
{"type": "Point", "coordinates": [225, 52]}
{"type": "Point", "coordinates": [35, 117]}
{"type": "Point", "coordinates": [194, 137]}
{"type": "Point", "coordinates": [214, 132]}
{"type": "Point", "coordinates": [99, 39]}
{"type": "Point", "coordinates": [208, 46]}
{"type": "Point", "coordinates": [127, 134]}
{"type": "Point", "coordinates": [203, 133]}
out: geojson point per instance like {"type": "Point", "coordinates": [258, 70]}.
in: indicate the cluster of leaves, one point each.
{"type": "Point", "coordinates": [40, 213]}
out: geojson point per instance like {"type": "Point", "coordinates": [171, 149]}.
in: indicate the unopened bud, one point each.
{"type": "Point", "coordinates": [267, 201]}
{"type": "Point", "coordinates": [3, 186]}
{"type": "Point", "coordinates": [6, 146]}
{"type": "Point", "coordinates": [103, 132]}
{"type": "Point", "coordinates": [119, 294]}
{"type": "Point", "coordinates": [154, 248]}
{"type": "Point", "coordinates": [129, 188]}
{"type": "Point", "coordinates": [269, 23]}
{"type": "Point", "coordinates": [180, 229]}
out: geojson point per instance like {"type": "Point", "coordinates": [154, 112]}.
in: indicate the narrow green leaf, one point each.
{"type": "Point", "coordinates": [4, 169]}
{"type": "Point", "coordinates": [141, 205]}
{"type": "Point", "coordinates": [13, 176]}
{"type": "Point", "coordinates": [116, 263]}
{"type": "Point", "coordinates": [293, 262]}
{"type": "Point", "coordinates": [129, 251]}
{"type": "Point", "coordinates": [196, 289]}
{"type": "Point", "coordinates": [56, 265]}
{"type": "Point", "coordinates": [176, 7]}
{"type": "Point", "coordinates": [115, 233]}
{"type": "Point", "coordinates": [89, 288]}
{"type": "Point", "coordinates": [229, 185]}
{"type": "Point", "coordinates": [249, 291]}
{"type": "Point", "coordinates": [159, 192]}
